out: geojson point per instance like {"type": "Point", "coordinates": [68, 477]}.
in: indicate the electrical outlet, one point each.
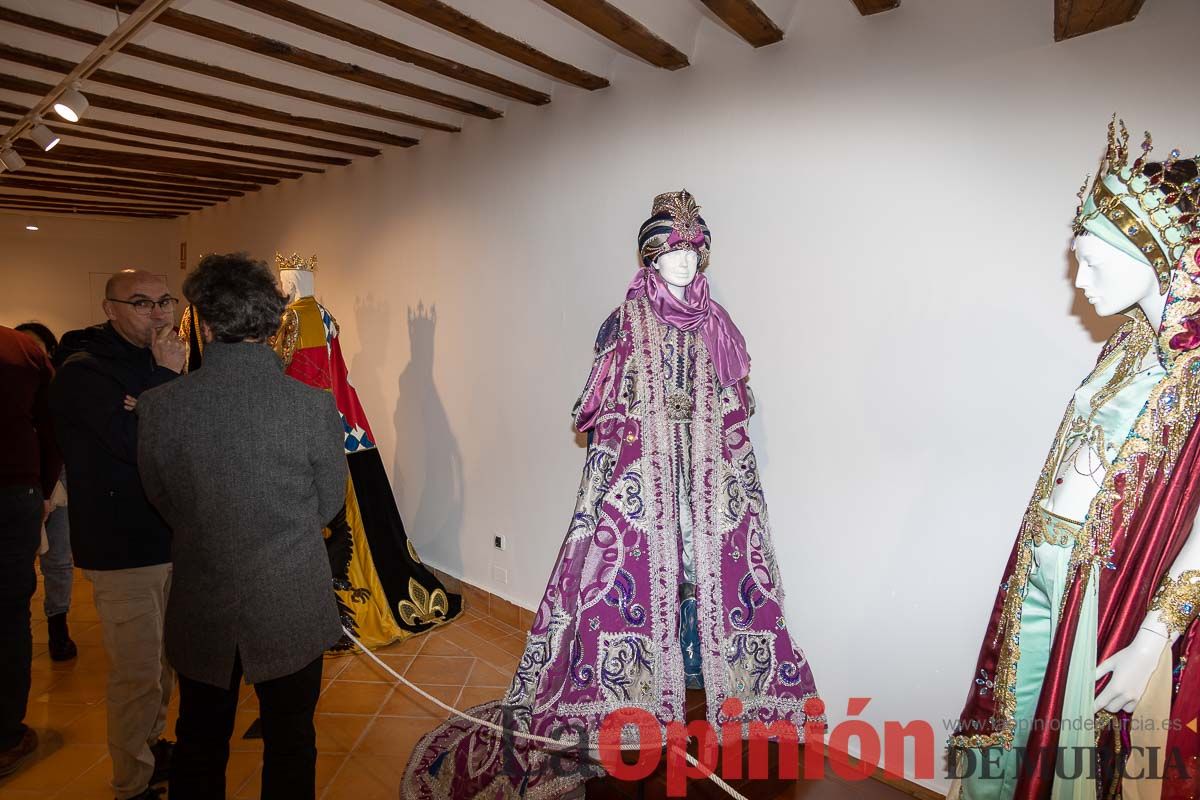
{"type": "Point", "coordinates": [499, 542]}
{"type": "Point", "coordinates": [499, 574]}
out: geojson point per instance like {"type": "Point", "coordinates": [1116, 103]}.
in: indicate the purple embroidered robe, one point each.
{"type": "Point", "coordinates": [606, 633]}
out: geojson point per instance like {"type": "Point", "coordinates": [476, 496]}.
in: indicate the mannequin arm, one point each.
{"type": "Point", "coordinates": [600, 387]}
{"type": "Point", "coordinates": [1133, 666]}
{"type": "Point", "coordinates": [601, 384]}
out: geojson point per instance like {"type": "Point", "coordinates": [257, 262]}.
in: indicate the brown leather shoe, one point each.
{"type": "Point", "coordinates": [12, 758]}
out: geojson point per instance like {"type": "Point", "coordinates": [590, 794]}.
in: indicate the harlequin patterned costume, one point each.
{"type": "Point", "coordinates": [670, 494]}
{"type": "Point", "coordinates": [384, 592]}
{"type": "Point", "coordinates": [1076, 592]}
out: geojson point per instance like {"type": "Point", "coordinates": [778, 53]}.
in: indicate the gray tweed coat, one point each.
{"type": "Point", "coordinates": [247, 466]}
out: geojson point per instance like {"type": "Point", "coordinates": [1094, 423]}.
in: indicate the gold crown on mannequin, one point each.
{"type": "Point", "coordinates": [295, 262]}
{"type": "Point", "coordinates": [1145, 208]}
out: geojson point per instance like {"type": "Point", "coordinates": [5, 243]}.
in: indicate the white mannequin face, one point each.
{"type": "Point", "coordinates": [296, 283]}
{"type": "Point", "coordinates": [678, 267]}
{"type": "Point", "coordinates": [1111, 279]}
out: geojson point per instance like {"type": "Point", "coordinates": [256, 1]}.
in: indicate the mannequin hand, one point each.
{"type": "Point", "coordinates": [1131, 669]}
{"type": "Point", "coordinates": [168, 351]}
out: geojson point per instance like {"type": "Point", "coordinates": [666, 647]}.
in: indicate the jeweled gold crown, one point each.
{"type": "Point", "coordinates": [295, 262]}
{"type": "Point", "coordinates": [1154, 213]}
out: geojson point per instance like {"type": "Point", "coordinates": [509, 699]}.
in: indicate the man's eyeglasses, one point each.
{"type": "Point", "coordinates": [145, 306]}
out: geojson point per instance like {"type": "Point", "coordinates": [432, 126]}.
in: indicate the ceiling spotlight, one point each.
{"type": "Point", "coordinates": [71, 104]}
{"type": "Point", "coordinates": [11, 159]}
{"type": "Point", "coordinates": [31, 225]}
{"type": "Point", "coordinates": [43, 136]}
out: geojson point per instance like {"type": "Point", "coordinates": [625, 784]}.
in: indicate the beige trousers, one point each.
{"type": "Point", "coordinates": [132, 605]}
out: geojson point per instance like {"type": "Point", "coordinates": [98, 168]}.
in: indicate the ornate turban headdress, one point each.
{"type": "Point", "coordinates": [675, 224]}
{"type": "Point", "coordinates": [1145, 209]}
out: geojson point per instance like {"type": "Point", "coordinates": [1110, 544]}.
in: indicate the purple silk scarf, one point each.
{"type": "Point", "coordinates": [696, 311]}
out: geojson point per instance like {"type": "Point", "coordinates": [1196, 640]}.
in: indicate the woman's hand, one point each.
{"type": "Point", "coordinates": [130, 402]}
{"type": "Point", "coordinates": [1131, 669]}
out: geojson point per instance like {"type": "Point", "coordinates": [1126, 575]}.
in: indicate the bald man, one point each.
{"type": "Point", "coordinates": [117, 538]}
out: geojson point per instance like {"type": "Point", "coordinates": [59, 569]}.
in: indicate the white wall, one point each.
{"type": "Point", "coordinates": [47, 275]}
{"type": "Point", "coordinates": [890, 199]}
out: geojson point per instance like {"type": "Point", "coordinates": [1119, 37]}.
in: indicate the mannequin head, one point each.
{"type": "Point", "coordinates": [675, 224]}
{"type": "Point", "coordinates": [678, 269]}
{"type": "Point", "coordinates": [1146, 209]}
{"type": "Point", "coordinates": [296, 283]}
{"type": "Point", "coordinates": [1114, 281]}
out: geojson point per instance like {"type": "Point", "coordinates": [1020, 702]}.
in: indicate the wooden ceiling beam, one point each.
{"type": "Point", "coordinates": [619, 28]}
{"type": "Point", "coordinates": [234, 161]}
{"type": "Point", "coordinates": [169, 136]}
{"type": "Point", "coordinates": [73, 133]}
{"type": "Point", "coordinates": [38, 209]}
{"type": "Point", "coordinates": [81, 212]}
{"type": "Point", "coordinates": [128, 194]}
{"type": "Point", "coordinates": [24, 85]}
{"type": "Point", "coordinates": [168, 166]}
{"type": "Point", "coordinates": [1079, 17]}
{"type": "Point", "coordinates": [272, 48]}
{"type": "Point", "coordinates": [221, 73]}
{"type": "Point", "coordinates": [180, 192]}
{"type": "Point", "coordinates": [183, 192]}
{"type": "Point", "coordinates": [34, 199]}
{"type": "Point", "coordinates": [222, 104]}
{"type": "Point", "coordinates": [369, 40]}
{"type": "Point", "coordinates": [47, 208]}
{"type": "Point", "coordinates": [176, 166]}
{"type": "Point", "coordinates": [747, 20]}
{"type": "Point", "coordinates": [40, 199]}
{"type": "Point", "coordinates": [53, 165]}
{"type": "Point", "coordinates": [454, 21]}
{"type": "Point", "coordinates": [868, 7]}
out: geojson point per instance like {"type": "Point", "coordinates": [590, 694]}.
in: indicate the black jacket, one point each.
{"type": "Point", "coordinates": [113, 525]}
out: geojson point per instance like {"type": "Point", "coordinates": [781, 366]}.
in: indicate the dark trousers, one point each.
{"type": "Point", "coordinates": [206, 716]}
{"type": "Point", "coordinates": [20, 535]}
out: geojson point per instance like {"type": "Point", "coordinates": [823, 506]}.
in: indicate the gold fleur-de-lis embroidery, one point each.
{"type": "Point", "coordinates": [422, 606]}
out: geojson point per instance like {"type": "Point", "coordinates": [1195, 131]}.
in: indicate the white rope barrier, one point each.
{"type": "Point", "coordinates": [542, 740]}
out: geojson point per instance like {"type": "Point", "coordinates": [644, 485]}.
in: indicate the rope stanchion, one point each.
{"type": "Point", "coordinates": [545, 741]}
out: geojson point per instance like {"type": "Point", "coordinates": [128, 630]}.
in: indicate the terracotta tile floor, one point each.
{"type": "Point", "coordinates": [366, 728]}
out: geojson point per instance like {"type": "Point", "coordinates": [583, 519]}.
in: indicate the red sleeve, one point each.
{"type": "Point", "coordinates": [345, 395]}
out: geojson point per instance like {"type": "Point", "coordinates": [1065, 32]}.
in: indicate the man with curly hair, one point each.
{"type": "Point", "coordinates": [247, 466]}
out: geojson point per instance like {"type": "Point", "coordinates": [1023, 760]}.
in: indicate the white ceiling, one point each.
{"type": "Point", "coordinates": [532, 21]}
